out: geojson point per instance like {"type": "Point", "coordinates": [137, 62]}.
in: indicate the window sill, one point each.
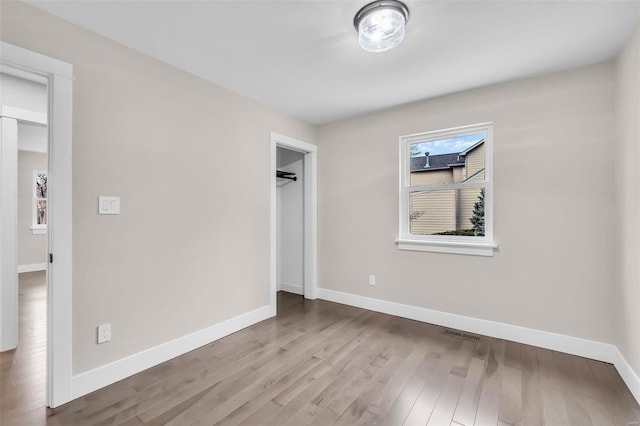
{"type": "Point", "coordinates": [454, 247]}
{"type": "Point", "coordinates": [38, 231]}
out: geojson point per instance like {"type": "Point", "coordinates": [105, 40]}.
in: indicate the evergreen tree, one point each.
{"type": "Point", "coordinates": [477, 218]}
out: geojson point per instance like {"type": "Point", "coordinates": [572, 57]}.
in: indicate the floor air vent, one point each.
{"type": "Point", "coordinates": [461, 335]}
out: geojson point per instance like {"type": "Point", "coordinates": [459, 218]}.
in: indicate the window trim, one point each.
{"type": "Point", "coordinates": [36, 228]}
{"type": "Point", "coordinates": [468, 245]}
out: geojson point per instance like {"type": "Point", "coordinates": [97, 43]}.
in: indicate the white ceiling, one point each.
{"type": "Point", "coordinates": [302, 57]}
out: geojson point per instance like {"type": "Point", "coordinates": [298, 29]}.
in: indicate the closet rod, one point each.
{"type": "Point", "coordinates": [286, 175]}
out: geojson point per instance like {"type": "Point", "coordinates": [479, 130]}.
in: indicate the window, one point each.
{"type": "Point", "coordinates": [446, 197]}
{"type": "Point", "coordinates": [39, 223]}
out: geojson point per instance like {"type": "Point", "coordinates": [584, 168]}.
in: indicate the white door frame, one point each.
{"type": "Point", "coordinates": [59, 75]}
{"type": "Point", "coordinates": [310, 213]}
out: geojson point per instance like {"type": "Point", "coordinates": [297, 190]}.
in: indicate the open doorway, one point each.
{"type": "Point", "coordinates": [50, 199]}
{"type": "Point", "coordinates": [24, 166]}
{"type": "Point", "coordinates": [293, 217]}
{"type": "Point", "coordinates": [290, 221]}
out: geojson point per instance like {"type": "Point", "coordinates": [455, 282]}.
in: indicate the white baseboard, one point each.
{"type": "Point", "coordinates": [572, 345]}
{"type": "Point", "coordinates": [105, 375]}
{"type": "Point", "coordinates": [629, 376]}
{"type": "Point", "coordinates": [34, 267]}
{"type": "Point", "coordinates": [292, 288]}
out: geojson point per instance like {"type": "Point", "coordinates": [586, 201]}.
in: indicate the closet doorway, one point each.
{"type": "Point", "coordinates": [290, 221]}
{"type": "Point", "coordinates": [293, 217]}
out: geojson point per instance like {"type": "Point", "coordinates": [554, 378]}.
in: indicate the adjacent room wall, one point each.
{"type": "Point", "coordinates": [553, 191]}
{"type": "Point", "coordinates": [32, 137]}
{"type": "Point", "coordinates": [24, 94]}
{"type": "Point", "coordinates": [32, 147]}
{"type": "Point", "coordinates": [627, 185]}
{"type": "Point", "coordinates": [291, 223]}
{"type": "Point", "coordinates": [190, 161]}
{"type": "Point", "coordinates": [32, 249]}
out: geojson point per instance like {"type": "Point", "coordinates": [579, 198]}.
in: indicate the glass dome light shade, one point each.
{"type": "Point", "coordinates": [381, 25]}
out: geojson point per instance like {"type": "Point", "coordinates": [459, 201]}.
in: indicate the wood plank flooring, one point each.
{"type": "Point", "coordinates": [321, 363]}
{"type": "Point", "coordinates": [23, 370]}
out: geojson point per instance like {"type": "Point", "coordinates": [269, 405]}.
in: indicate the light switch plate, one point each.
{"type": "Point", "coordinates": [108, 205]}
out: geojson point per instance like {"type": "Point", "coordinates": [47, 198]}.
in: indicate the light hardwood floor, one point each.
{"type": "Point", "coordinates": [23, 371]}
{"type": "Point", "coordinates": [322, 363]}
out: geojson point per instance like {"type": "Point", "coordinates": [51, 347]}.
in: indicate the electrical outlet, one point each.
{"type": "Point", "coordinates": [104, 333]}
{"type": "Point", "coordinates": [372, 280]}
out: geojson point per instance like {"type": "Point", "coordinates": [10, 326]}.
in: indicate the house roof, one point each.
{"type": "Point", "coordinates": [472, 147]}
{"type": "Point", "coordinates": [442, 161]}
{"type": "Point", "coordinates": [436, 162]}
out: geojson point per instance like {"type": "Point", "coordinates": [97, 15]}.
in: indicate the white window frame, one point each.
{"type": "Point", "coordinates": [37, 228]}
{"type": "Point", "coordinates": [458, 244]}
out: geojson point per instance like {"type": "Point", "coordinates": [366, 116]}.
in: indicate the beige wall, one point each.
{"type": "Point", "coordinates": [190, 161]}
{"type": "Point", "coordinates": [31, 248]}
{"type": "Point", "coordinates": [553, 268]}
{"type": "Point", "coordinates": [627, 185]}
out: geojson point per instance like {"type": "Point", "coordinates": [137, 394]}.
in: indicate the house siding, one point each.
{"type": "Point", "coordinates": [432, 177]}
{"type": "Point", "coordinates": [438, 210]}
{"type": "Point", "coordinates": [467, 198]}
{"type": "Point", "coordinates": [475, 160]}
{"type": "Point", "coordinates": [458, 174]}
{"type": "Point", "coordinates": [448, 210]}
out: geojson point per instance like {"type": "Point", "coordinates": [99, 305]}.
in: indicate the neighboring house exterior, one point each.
{"type": "Point", "coordinates": [445, 210]}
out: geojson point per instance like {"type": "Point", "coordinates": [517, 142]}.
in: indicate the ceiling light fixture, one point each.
{"type": "Point", "coordinates": [380, 25]}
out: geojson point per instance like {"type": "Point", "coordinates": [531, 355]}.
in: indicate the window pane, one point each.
{"type": "Point", "coordinates": [452, 160]}
{"type": "Point", "coordinates": [41, 185]}
{"type": "Point", "coordinates": [41, 214]}
{"type": "Point", "coordinates": [447, 212]}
